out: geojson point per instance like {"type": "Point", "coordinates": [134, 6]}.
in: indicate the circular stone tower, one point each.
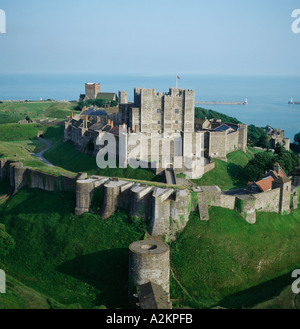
{"type": "Point", "coordinates": [149, 261]}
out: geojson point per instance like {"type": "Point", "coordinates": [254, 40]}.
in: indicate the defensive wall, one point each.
{"type": "Point", "coordinates": [166, 209]}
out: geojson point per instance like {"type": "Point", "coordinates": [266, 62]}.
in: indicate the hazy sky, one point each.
{"type": "Point", "coordinates": [150, 36]}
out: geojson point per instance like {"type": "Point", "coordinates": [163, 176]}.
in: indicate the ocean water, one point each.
{"type": "Point", "coordinates": [267, 96]}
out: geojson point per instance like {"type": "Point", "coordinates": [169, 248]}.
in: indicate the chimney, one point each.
{"type": "Point", "coordinates": [72, 115]}
{"type": "Point", "coordinates": [136, 129]}
{"type": "Point", "coordinates": [98, 119]}
{"type": "Point", "coordinates": [108, 122]}
{"type": "Point", "coordinates": [128, 130]}
{"type": "Point", "coordinates": [276, 167]}
{"type": "Point", "coordinates": [112, 124]}
{"type": "Point", "coordinates": [124, 126]}
{"type": "Point", "coordinates": [84, 108]}
{"type": "Point", "coordinates": [86, 118]}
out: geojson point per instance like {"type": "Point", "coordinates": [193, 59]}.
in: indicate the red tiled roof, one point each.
{"type": "Point", "coordinates": [265, 184]}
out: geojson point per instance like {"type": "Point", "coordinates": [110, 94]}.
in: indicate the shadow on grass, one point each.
{"type": "Point", "coordinates": [258, 294]}
{"type": "Point", "coordinates": [237, 175]}
{"type": "Point", "coordinates": [106, 271]}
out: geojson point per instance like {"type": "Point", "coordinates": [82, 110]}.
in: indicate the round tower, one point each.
{"type": "Point", "coordinates": [149, 261]}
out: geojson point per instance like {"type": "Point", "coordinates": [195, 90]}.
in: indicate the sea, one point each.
{"type": "Point", "coordinates": [268, 96]}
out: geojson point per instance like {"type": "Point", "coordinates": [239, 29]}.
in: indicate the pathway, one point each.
{"type": "Point", "coordinates": [40, 154]}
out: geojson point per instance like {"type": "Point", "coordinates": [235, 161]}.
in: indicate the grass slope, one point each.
{"type": "Point", "coordinates": [13, 112]}
{"type": "Point", "coordinates": [229, 263]}
{"type": "Point", "coordinates": [18, 141]}
{"type": "Point", "coordinates": [229, 175]}
{"type": "Point", "coordinates": [15, 132]}
{"type": "Point", "coordinates": [66, 156]}
{"type": "Point", "coordinates": [76, 261]}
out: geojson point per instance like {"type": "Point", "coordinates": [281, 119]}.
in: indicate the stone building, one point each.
{"type": "Point", "coordinates": [84, 129]}
{"type": "Point", "coordinates": [222, 138]}
{"type": "Point", "coordinates": [169, 120]}
{"type": "Point", "coordinates": [93, 91]}
{"type": "Point", "coordinates": [274, 179]}
{"type": "Point", "coordinates": [277, 136]}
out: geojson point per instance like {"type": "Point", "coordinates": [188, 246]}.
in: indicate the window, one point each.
{"type": "Point", "coordinates": [176, 122]}
{"type": "Point", "coordinates": [159, 111]}
{"type": "Point", "coordinates": [176, 111]}
{"type": "Point", "coordinates": [158, 122]}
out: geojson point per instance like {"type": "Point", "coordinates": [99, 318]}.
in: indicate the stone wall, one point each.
{"type": "Point", "coordinates": [232, 143]}
{"type": "Point", "coordinates": [166, 209]}
{"type": "Point", "coordinates": [268, 201]}
{"type": "Point", "coordinates": [21, 176]}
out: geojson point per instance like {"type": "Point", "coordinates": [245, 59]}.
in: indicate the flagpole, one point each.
{"type": "Point", "coordinates": [176, 82]}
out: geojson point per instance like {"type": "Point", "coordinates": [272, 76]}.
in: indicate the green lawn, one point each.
{"type": "Point", "coordinates": [14, 132]}
{"type": "Point", "coordinates": [229, 175]}
{"type": "Point", "coordinates": [76, 261]}
{"type": "Point", "coordinates": [66, 156]}
{"type": "Point", "coordinates": [13, 112]}
{"type": "Point", "coordinates": [227, 262]}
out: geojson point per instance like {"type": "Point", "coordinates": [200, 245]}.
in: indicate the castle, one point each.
{"type": "Point", "coordinates": [171, 118]}
{"type": "Point", "coordinates": [277, 136]}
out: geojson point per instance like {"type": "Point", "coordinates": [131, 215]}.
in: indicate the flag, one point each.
{"type": "Point", "coordinates": [178, 77]}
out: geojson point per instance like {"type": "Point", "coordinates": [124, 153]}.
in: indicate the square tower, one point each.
{"type": "Point", "coordinates": [92, 90]}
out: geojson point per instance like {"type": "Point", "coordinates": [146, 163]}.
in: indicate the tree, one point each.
{"type": "Point", "coordinates": [297, 138]}
{"type": "Point", "coordinates": [6, 241]}
{"type": "Point", "coordinates": [259, 165]}
{"type": "Point", "coordinates": [257, 137]}
{"type": "Point", "coordinates": [263, 141]}
{"type": "Point", "coordinates": [279, 149]}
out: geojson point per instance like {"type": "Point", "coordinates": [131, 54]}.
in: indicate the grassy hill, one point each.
{"type": "Point", "coordinates": [66, 156]}
{"type": "Point", "coordinates": [67, 261]}
{"type": "Point", "coordinates": [229, 263]}
{"type": "Point", "coordinates": [15, 132]}
{"type": "Point", "coordinates": [18, 141]}
{"type": "Point", "coordinates": [229, 175]}
{"type": "Point", "coordinates": [75, 261]}
{"type": "Point", "coordinates": [15, 111]}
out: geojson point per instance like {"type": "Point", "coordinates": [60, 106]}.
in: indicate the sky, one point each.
{"type": "Point", "coordinates": [231, 37]}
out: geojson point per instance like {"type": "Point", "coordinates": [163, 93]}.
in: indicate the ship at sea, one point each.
{"type": "Point", "coordinates": [293, 102]}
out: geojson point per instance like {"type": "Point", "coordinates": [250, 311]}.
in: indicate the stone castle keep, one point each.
{"type": "Point", "coordinates": [171, 116]}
